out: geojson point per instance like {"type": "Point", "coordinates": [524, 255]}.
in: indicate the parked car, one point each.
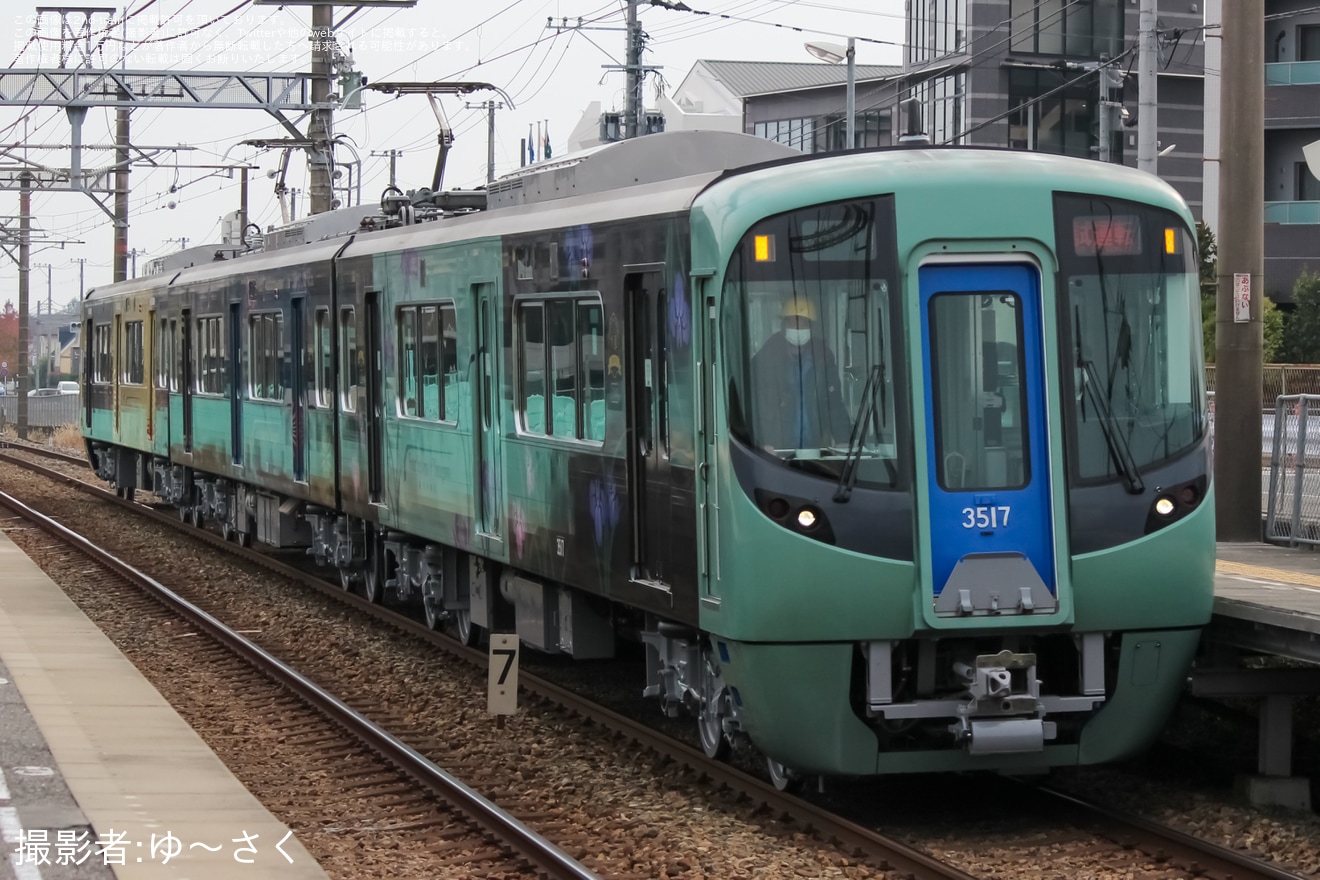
{"type": "Point", "coordinates": [67, 387]}
{"type": "Point", "coordinates": [44, 392]}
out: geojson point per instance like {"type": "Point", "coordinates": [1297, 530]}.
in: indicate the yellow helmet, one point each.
{"type": "Point", "coordinates": [797, 307]}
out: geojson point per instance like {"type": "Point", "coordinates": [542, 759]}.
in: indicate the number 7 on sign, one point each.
{"type": "Point", "coordinates": [502, 678]}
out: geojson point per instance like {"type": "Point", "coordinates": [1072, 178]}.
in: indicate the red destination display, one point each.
{"type": "Point", "coordinates": [1114, 236]}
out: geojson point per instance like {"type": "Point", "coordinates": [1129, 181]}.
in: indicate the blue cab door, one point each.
{"type": "Point", "coordinates": [991, 530]}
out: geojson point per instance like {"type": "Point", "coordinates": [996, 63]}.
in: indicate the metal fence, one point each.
{"type": "Point", "coordinates": [1292, 501]}
{"type": "Point", "coordinates": [1279, 379]}
{"type": "Point", "coordinates": [43, 412]}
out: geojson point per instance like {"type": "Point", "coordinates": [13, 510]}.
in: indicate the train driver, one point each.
{"type": "Point", "coordinates": [798, 402]}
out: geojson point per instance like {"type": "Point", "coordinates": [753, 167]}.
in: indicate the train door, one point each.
{"type": "Point", "coordinates": [988, 471]}
{"type": "Point", "coordinates": [486, 412]}
{"type": "Point", "coordinates": [299, 391]}
{"type": "Point", "coordinates": [167, 336]}
{"type": "Point", "coordinates": [236, 381]}
{"type": "Point", "coordinates": [186, 378]}
{"type": "Point", "coordinates": [708, 543]}
{"type": "Point", "coordinates": [88, 370]}
{"type": "Point", "coordinates": [117, 366]}
{"type": "Point", "coordinates": [374, 415]}
{"type": "Point", "coordinates": [149, 372]}
{"type": "Point", "coordinates": [648, 422]}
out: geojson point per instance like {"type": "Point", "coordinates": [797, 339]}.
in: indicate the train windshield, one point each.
{"type": "Point", "coordinates": [1130, 327]}
{"type": "Point", "coordinates": [809, 307]}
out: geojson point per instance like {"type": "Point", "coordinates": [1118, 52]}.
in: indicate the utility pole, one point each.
{"type": "Point", "coordinates": [1239, 341]}
{"type": "Point", "coordinates": [633, 103]}
{"type": "Point", "coordinates": [850, 97]}
{"type": "Point", "coordinates": [490, 142]}
{"type": "Point", "coordinates": [50, 309]}
{"type": "Point", "coordinates": [82, 266]}
{"type": "Point", "coordinates": [392, 154]}
{"type": "Point", "coordinates": [24, 254]}
{"type": "Point", "coordinates": [1147, 88]}
{"type": "Point", "coordinates": [242, 210]}
{"type": "Point", "coordinates": [1109, 80]}
{"type": "Point", "coordinates": [490, 107]}
{"type": "Point", "coordinates": [321, 128]}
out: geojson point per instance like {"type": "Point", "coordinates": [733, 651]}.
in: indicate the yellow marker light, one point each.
{"type": "Point", "coordinates": [806, 519]}
{"type": "Point", "coordinates": [764, 246]}
{"type": "Point", "coordinates": [1164, 506]}
{"type": "Point", "coordinates": [1171, 241]}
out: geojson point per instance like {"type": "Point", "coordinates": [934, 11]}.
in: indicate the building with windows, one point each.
{"type": "Point", "coordinates": [1051, 75]}
{"type": "Point", "coordinates": [53, 348]}
{"type": "Point", "coordinates": [799, 104]}
{"type": "Point", "coordinates": [1292, 122]}
{"type": "Point", "coordinates": [1040, 74]}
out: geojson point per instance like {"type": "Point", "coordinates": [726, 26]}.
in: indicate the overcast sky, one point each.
{"type": "Point", "coordinates": [551, 76]}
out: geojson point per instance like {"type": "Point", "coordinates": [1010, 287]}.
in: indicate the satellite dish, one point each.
{"type": "Point", "coordinates": [1312, 154]}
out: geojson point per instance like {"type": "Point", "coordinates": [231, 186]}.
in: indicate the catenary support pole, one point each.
{"type": "Point", "coordinates": [24, 269]}
{"type": "Point", "coordinates": [122, 167]}
{"type": "Point", "coordinates": [1148, 88]}
{"type": "Point", "coordinates": [321, 128]}
{"type": "Point", "coordinates": [632, 109]}
{"type": "Point", "coordinates": [1238, 329]}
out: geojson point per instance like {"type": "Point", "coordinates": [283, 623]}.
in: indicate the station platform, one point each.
{"type": "Point", "coordinates": [1267, 601]}
{"type": "Point", "coordinates": [99, 777]}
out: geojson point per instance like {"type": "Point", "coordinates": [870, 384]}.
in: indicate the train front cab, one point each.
{"type": "Point", "coordinates": [1006, 563]}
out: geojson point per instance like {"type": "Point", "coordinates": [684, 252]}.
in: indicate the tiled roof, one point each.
{"type": "Point", "coordinates": [747, 78]}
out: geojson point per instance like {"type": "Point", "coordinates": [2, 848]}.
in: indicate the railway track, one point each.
{"type": "Point", "coordinates": [1175, 852]}
{"type": "Point", "coordinates": [397, 785]}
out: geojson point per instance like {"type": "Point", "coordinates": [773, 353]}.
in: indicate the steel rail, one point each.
{"type": "Point", "coordinates": [538, 851]}
{"type": "Point", "coordinates": [885, 853]}
{"type": "Point", "coordinates": [1199, 857]}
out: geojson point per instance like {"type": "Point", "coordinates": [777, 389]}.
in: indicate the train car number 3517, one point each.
{"type": "Point", "coordinates": [986, 517]}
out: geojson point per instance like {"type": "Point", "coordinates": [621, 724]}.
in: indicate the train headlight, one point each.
{"type": "Point", "coordinates": [806, 518]}
{"type": "Point", "coordinates": [1164, 505]}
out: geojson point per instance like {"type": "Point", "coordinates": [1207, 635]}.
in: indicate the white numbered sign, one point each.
{"type": "Point", "coordinates": [502, 686]}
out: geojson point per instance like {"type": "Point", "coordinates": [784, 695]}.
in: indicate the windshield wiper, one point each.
{"type": "Point", "coordinates": [1118, 447]}
{"type": "Point", "coordinates": [848, 474]}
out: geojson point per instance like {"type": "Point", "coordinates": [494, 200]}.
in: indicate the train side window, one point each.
{"type": "Point", "coordinates": [562, 370]}
{"type": "Point", "coordinates": [562, 363]}
{"type": "Point", "coordinates": [158, 379]}
{"type": "Point", "coordinates": [132, 365]}
{"type": "Point", "coordinates": [591, 370]}
{"type": "Point", "coordinates": [350, 369]}
{"type": "Point", "coordinates": [101, 369]}
{"type": "Point", "coordinates": [410, 403]}
{"type": "Point", "coordinates": [531, 394]}
{"type": "Point", "coordinates": [429, 363]}
{"type": "Point", "coordinates": [266, 356]}
{"type": "Point", "coordinates": [176, 362]}
{"type": "Point", "coordinates": [211, 355]}
{"type": "Point", "coordinates": [450, 395]}
{"type": "Point", "coordinates": [324, 364]}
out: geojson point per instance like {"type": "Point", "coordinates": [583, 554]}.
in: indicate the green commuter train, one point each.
{"type": "Point", "coordinates": [893, 460]}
